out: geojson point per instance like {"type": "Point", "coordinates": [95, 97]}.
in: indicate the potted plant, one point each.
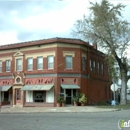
{"type": "Point", "coordinates": [62, 102]}
{"type": "Point", "coordinates": [82, 99]}
{"type": "Point", "coordinates": [59, 101]}
{"type": "Point", "coordinates": [75, 100]}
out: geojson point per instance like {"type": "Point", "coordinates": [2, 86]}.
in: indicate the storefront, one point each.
{"type": "Point", "coordinates": [5, 95]}
{"type": "Point", "coordinates": [69, 88]}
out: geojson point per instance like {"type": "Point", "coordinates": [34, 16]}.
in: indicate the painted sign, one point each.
{"type": "Point", "coordinates": [69, 81]}
{"type": "Point", "coordinates": [39, 81]}
{"type": "Point", "coordinates": [6, 82]}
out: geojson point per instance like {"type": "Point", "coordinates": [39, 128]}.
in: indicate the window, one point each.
{"type": "Point", "coordinates": [90, 65]}
{"type": "Point", "coordinates": [8, 65]}
{"type": "Point", "coordinates": [0, 66]}
{"type": "Point", "coordinates": [68, 60]}
{"type": "Point", "coordinates": [94, 66]}
{"type": "Point", "coordinates": [19, 64]}
{"type": "Point", "coordinates": [30, 64]}
{"type": "Point", "coordinates": [98, 67]}
{"type": "Point", "coordinates": [83, 63]}
{"type": "Point", "coordinates": [50, 62]}
{"type": "Point", "coordinates": [102, 68]}
{"type": "Point", "coordinates": [40, 63]}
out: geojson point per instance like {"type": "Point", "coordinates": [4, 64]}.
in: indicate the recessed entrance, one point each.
{"type": "Point", "coordinates": [18, 96]}
{"type": "Point", "coordinates": [70, 93]}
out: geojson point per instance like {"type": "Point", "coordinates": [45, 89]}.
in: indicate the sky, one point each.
{"type": "Point", "coordinates": [27, 20]}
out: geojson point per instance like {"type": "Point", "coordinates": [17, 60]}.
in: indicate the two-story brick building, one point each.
{"type": "Point", "coordinates": [34, 73]}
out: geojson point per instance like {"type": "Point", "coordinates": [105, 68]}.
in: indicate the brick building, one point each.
{"type": "Point", "coordinates": [34, 73]}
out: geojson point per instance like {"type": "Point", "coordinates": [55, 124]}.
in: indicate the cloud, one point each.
{"type": "Point", "coordinates": [33, 20]}
{"type": "Point", "coordinates": [8, 37]}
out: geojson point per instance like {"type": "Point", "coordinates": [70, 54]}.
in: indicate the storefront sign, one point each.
{"type": "Point", "coordinates": [39, 81]}
{"type": "Point", "coordinates": [6, 82]}
{"type": "Point", "coordinates": [69, 81]}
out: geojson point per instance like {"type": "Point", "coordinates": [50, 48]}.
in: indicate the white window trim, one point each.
{"type": "Point", "coordinates": [48, 63]}
{"type": "Point", "coordinates": [72, 62]}
{"type": "Point", "coordinates": [42, 62]}
{"type": "Point", "coordinates": [27, 64]}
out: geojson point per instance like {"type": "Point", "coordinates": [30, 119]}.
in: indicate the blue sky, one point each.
{"type": "Point", "coordinates": [25, 20]}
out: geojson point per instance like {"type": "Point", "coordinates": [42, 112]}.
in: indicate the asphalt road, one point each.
{"type": "Point", "coordinates": [64, 121]}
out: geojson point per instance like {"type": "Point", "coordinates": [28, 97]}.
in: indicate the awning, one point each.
{"type": "Point", "coordinates": [4, 88]}
{"type": "Point", "coordinates": [70, 86]}
{"type": "Point", "coordinates": [37, 87]}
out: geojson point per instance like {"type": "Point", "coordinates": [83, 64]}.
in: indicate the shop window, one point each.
{"type": "Point", "coordinates": [8, 65]}
{"type": "Point", "coordinates": [50, 62]}
{"type": "Point", "coordinates": [0, 66]}
{"type": "Point", "coordinates": [40, 63]}
{"type": "Point", "coordinates": [19, 64]}
{"type": "Point", "coordinates": [38, 96]}
{"type": "Point", "coordinates": [30, 64]}
{"type": "Point", "coordinates": [68, 60]}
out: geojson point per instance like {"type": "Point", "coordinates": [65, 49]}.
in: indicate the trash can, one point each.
{"type": "Point", "coordinates": [113, 102]}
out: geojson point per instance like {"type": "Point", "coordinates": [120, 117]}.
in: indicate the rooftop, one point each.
{"type": "Point", "coordinates": [44, 41]}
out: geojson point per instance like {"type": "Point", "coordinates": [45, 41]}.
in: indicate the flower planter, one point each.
{"type": "Point", "coordinates": [75, 104]}
{"type": "Point", "coordinates": [58, 105]}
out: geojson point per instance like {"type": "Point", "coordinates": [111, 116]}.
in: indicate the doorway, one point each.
{"type": "Point", "coordinates": [18, 96]}
{"type": "Point", "coordinates": [70, 93]}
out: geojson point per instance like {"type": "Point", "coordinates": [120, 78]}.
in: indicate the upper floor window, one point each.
{"type": "Point", "coordinates": [18, 64]}
{"type": "Point", "coordinates": [102, 68]}
{"type": "Point", "coordinates": [90, 65]}
{"type": "Point", "coordinates": [83, 63]}
{"type": "Point", "coordinates": [8, 65]}
{"type": "Point", "coordinates": [98, 67]}
{"type": "Point", "coordinates": [94, 66]}
{"type": "Point", "coordinates": [0, 66]}
{"type": "Point", "coordinates": [40, 63]}
{"type": "Point", "coordinates": [68, 60]}
{"type": "Point", "coordinates": [50, 62]}
{"type": "Point", "coordinates": [30, 64]}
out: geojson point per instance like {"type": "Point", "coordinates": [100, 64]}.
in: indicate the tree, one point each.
{"type": "Point", "coordinates": [105, 26]}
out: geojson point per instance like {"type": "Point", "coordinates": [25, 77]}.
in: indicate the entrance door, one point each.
{"type": "Point", "coordinates": [18, 96]}
{"type": "Point", "coordinates": [6, 96]}
{"type": "Point", "coordinates": [68, 96]}
{"type": "Point", "coordinates": [70, 93]}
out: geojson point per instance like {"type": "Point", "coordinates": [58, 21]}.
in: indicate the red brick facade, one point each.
{"type": "Point", "coordinates": [93, 81]}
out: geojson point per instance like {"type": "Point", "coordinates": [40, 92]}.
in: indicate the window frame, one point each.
{"type": "Point", "coordinates": [28, 65]}
{"type": "Point", "coordinates": [17, 66]}
{"type": "Point", "coordinates": [84, 65]}
{"type": "Point", "coordinates": [1, 66]}
{"type": "Point", "coordinates": [71, 64]}
{"type": "Point", "coordinates": [49, 63]}
{"type": "Point", "coordinates": [8, 65]}
{"type": "Point", "coordinates": [38, 68]}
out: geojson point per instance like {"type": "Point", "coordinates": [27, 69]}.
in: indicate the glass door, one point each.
{"type": "Point", "coordinates": [68, 96]}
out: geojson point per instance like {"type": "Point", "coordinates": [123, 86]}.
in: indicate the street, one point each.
{"type": "Point", "coordinates": [63, 121]}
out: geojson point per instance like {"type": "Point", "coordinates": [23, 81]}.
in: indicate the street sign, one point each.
{"type": "Point", "coordinates": [114, 87]}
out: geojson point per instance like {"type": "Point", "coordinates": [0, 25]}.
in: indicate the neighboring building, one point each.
{"type": "Point", "coordinates": [34, 73]}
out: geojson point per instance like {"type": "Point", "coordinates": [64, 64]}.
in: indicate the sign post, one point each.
{"type": "Point", "coordinates": [114, 88]}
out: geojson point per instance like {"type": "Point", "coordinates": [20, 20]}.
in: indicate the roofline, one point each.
{"type": "Point", "coordinates": [44, 41]}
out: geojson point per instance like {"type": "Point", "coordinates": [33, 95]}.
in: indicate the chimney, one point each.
{"type": "Point", "coordinates": [95, 45]}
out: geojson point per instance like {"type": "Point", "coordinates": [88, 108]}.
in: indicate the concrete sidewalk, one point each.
{"type": "Point", "coordinates": [8, 109]}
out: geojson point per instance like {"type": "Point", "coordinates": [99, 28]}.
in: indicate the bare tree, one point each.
{"type": "Point", "coordinates": [105, 26]}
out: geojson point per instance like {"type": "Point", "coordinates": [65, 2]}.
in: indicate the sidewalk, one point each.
{"type": "Point", "coordinates": [74, 109]}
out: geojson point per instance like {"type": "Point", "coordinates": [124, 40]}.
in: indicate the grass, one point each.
{"type": "Point", "coordinates": [122, 107]}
